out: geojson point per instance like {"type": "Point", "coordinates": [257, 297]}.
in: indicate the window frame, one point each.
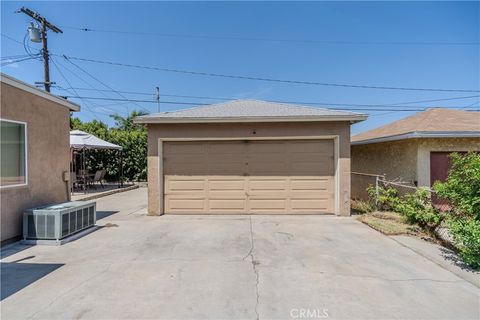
{"type": "Point", "coordinates": [25, 145]}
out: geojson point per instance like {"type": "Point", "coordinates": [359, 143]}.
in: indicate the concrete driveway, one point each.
{"type": "Point", "coordinates": [223, 267]}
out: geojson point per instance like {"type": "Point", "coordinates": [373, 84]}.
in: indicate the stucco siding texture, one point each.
{"type": "Point", "coordinates": [397, 160]}
{"type": "Point", "coordinates": [404, 160]}
{"type": "Point", "coordinates": [47, 156]}
{"type": "Point", "coordinates": [246, 130]}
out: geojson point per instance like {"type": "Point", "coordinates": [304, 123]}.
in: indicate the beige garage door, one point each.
{"type": "Point", "coordinates": [219, 177]}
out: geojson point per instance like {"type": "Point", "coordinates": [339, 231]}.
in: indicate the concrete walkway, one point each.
{"type": "Point", "coordinates": [224, 267]}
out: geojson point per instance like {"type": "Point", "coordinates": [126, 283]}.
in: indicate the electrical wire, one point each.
{"type": "Point", "coordinates": [210, 74]}
{"type": "Point", "coordinates": [283, 101]}
{"type": "Point", "coordinates": [68, 82]}
{"type": "Point", "coordinates": [18, 56]}
{"type": "Point", "coordinates": [10, 38]}
{"type": "Point", "coordinates": [88, 84]}
{"type": "Point", "coordinates": [104, 84]}
{"type": "Point", "coordinates": [15, 61]}
{"type": "Point", "coordinates": [385, 108]}
{"type": "Point", "coordinates": [306, 41]}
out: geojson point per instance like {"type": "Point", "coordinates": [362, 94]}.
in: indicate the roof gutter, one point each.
{"type": "Point", "coordinates": [421, 134]}
{"type": "Point", "coordinates": [152, 120]}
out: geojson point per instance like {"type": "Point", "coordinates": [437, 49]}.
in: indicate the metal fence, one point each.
{"type": "Point", "coordinates": [361, 181]}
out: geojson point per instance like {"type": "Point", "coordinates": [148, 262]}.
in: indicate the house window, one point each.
{"type": "Point", "coordinates": [13, 155]}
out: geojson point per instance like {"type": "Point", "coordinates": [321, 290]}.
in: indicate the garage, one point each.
{"type": "Point", "coordinates": [249, 157]}
{"type": "Point", "coordinates": [249, 176]}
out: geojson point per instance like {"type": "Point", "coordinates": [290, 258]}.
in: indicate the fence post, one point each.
{"type": "Point", "coordinates": [377, 191]}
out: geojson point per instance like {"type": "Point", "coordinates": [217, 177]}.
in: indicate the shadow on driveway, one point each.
{"type": "Point", "coordinates": [17, 275]}
{"type": "Point", "coordinates": [104, 214]}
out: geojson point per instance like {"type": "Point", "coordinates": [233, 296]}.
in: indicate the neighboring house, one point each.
{"type": "Point", "coordinates": [35, 151]}
{"type": "Point", "coordinates": [415, 149]}
{"type": "Point", "coordinates": [248, 156]}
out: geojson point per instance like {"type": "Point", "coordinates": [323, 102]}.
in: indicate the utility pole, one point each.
{"type": "Point", "coordinates": [157, 97]}
{"type": "Point", "coordinates": [45, 27]}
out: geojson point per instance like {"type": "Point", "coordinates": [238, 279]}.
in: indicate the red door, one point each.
{"type": "Point", "coordinates": [439, 166]}
{"type": "Point", "coordinates": [440, 163]}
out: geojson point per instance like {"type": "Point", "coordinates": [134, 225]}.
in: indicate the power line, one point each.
{"type": "Point", "coordinates": [68, 82]}
{"type": "Point", "coordinates": [103, 83]}
{"type": "Point", "coordinates": [282, 101]}
{"type": "Point", "coordinates": [15, 61]}
{"type": "Point", "coordinates": [380, 107]}
{"type": "Point", "coordinates": [87, 83]}
{"type": "Point", "coordinates": [18, 56]}
{"type": "Point", "coordinates": [210, 74]}
{"type": "Point", "coordinates": [306, 41]}
{"type": "Point", "coordinates": [10, 38]}
{"type": "Point", "coordinates": [94, 105]}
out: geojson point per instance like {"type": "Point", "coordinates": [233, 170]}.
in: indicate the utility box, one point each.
{"type": "Point", "coordinates": [55, 222]}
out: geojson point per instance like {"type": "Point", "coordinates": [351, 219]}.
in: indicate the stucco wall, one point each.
{"type": "Point", "coordinates": [396, 159]}
{"type": "Point", "coordinates": [404, 160]}
{"type": "Point", "coordinates": [232, 130]}
{"type": "Point", "coordinates": [425, 146]}
{"type": "Point", "coordinates": [48, 156]}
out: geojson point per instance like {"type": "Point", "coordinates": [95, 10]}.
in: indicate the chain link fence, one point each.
{"type": "Point", "coordinates": [360, 182]}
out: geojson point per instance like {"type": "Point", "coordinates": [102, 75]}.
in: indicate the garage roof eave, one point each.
{"type": "Point", "coordinates": [420, 134]}
{"type": "Point", "coordinates": [152, 119]}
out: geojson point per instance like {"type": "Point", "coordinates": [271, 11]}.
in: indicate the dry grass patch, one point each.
{"type": "Point", "coordinates": [389, 223]}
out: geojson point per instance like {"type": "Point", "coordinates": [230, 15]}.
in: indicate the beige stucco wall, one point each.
{"type": "Point", "coordinates": [425, 146]}
{"type": "Point", "coordinates": [48, 156]}
{"type": "Point", "coordinates": [395, 159]}
{"type": "Point", "coordinates": [404, 160]}
{"type": "Point", "coordinates": [245, 130]}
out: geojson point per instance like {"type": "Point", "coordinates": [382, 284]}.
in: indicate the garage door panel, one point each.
{"type": "Point", "coordinates": [226, 147]}
{"type": "Point", "coordinates": [227, 205]}
{"type": "Point", "coordinates": [324, 147]}
{"type": "Point", "coordinates": [227, 183]}
{"type": "Point", "coordinates": [173, 148]}
{"type": "Point", "coordinates": [184, 167]}
{"type": "Point", "coordinates": [266, 184]}
{"type": "Point", "coordinates": [261, 177]}
{"type": "Point", "coordinates": [319, 184]}
{"type": "Point", "coordinates": [268, 147]}
{"type": "Point", "coordinates": [185, 185]}
{"type": "Point", "coordinates": [320, 205]}
{"type": "Point", "coordinates": [186, 205]}
{"type": "Point", "coordinates": [226, 167]}
{"type": "Point", "coordinates": [261, 204]}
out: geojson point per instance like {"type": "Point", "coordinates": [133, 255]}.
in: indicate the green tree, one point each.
{"type": "Point", "coordinates": [133, 139]}
{"type": "Point", "coordinates": [126, 123]}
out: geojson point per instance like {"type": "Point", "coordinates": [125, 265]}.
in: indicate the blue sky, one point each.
{"type": "Point", "coordinates": [372, 52]}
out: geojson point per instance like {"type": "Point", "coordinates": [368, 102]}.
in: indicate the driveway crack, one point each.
{"type": "Point", "coordinates": [254, 267]}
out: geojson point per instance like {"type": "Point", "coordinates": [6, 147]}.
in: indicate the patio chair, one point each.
{"type": "Point", "coordinates": [98, 177]}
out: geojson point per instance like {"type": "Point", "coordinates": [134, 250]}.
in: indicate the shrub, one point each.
{"type": "Point", "coordinates": [462, 188]}
{"type": "Point", "coordinates": [417, 208]}
{"type": "Point", "coordinates": [466, 235]}
{"type": "Point", "coordinates": [387, 198]}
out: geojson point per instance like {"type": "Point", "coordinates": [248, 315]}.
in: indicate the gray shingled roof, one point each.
{"type": "Point", "coordinates": [251, 110]}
